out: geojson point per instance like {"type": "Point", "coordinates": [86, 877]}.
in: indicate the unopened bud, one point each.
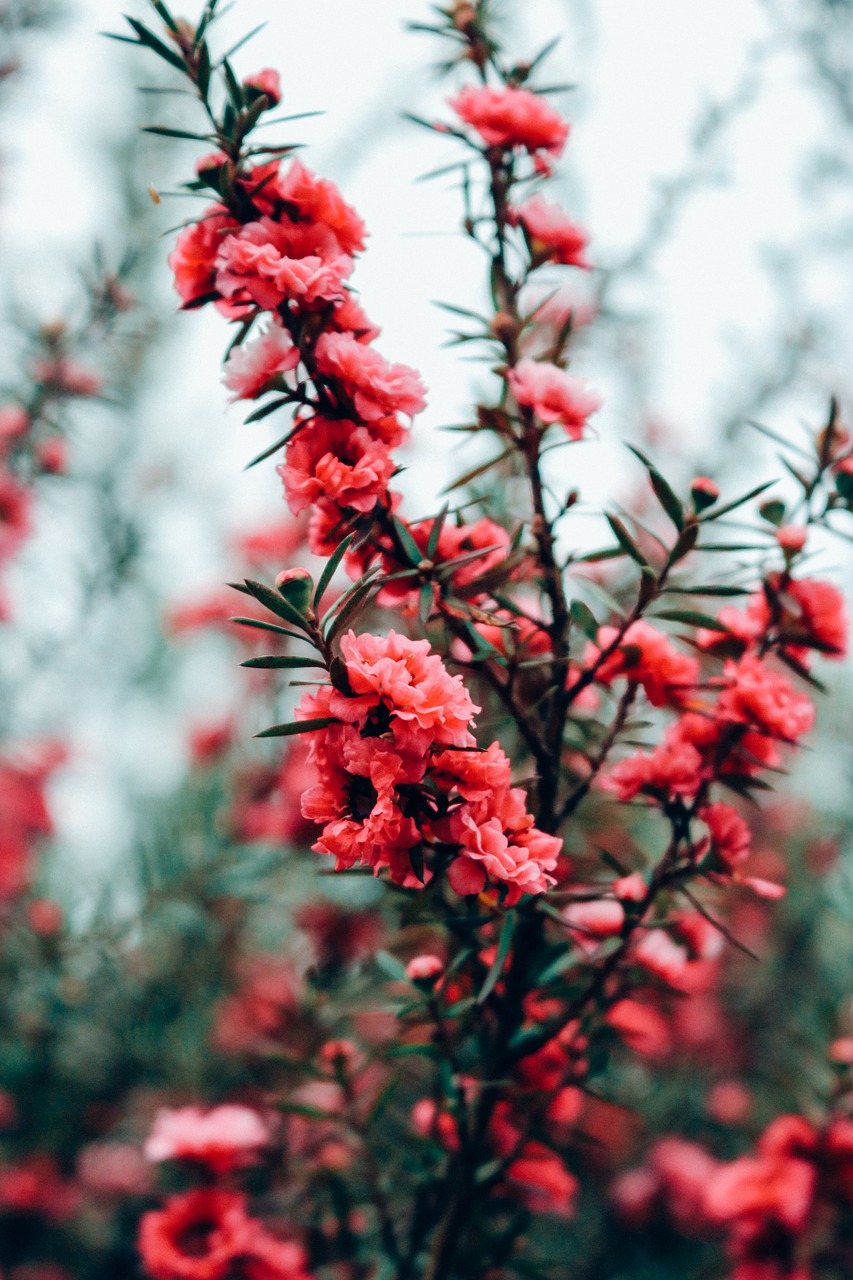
{"type": "Point", "coordinates": [504, 326]}
{"type": "Point", "coordinates": [704, 492]}
{"type": "Point", "coordinates": [297, 587]}
{"type": "Point", "coordinates": [464, 16]}
{"type": "Point", "coordinates": [425, 968]}
{"type": "Point", "coordinates": [792, 538]}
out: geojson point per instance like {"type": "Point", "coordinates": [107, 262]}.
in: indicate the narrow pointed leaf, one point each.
{"type": "Point", "coordinates": [331, 567]}
{"type": "Point", "coordinates": [282, 664]}
{"type": "Point", "coordinates": [625, 540]}
{"type": "Point", "coordinates": [662, 490]}
{"type": "Point", "coordinates": [268, 626]}
{"type": "Point", "coordinates": [507, 930]}
{"type": "Point", "coordinates": [276, 604]}
{"type": "Point", "coordinates": [296, 727]}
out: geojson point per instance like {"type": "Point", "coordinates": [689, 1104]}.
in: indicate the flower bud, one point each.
{"type": "Point", "coordinates": [792, 538]}
{"type": "Point", "coordinates": [704, 492]}
{"type": "Point", "coordinates": [297, 587]}
{"type": "Point", "coordinates": [424, 968]}
{"type": "Point", "coordinates": [266, 82]}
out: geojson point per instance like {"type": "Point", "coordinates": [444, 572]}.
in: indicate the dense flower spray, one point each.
{"type": "Point", "coordinates": [521, 956]}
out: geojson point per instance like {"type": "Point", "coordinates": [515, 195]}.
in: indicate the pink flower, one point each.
{"type": "Point", "coordinates": [551, 234]}
{"type": "Point", "coordinates": [792, 537]}
{"type": "Point", "coordinates": [363, 377]}
{"type": "Point", "coordinates": [223, 1139]}
{"type": "Point", "coordinates": [499, 842]}
{"type": "Point", "coordinates": [266, 81]}
{"type": "Point", "coordinates": [675, 768]}
{"type": "Point", "coordinates": [66, 376]}
{"type": "Point", "coordinates": [358, 802]}
{"type": "Point", "coordinates": [553, 395]}
{"type": "Point", "coordinates": [251, 366]}
{"type": "Point", "coordinates": [822, 619]}
{"type": "Point", "coordinates": [765, 699]}
{"type": "Point", "coordinates": [24, 814]}
{"type": "Point", "coordinates": [338, 461]}
{"type": "Point", "coordinates": [600, 919]}
{"type": "Point", "coordinates": [113, 1169]}
{"type": "Point", "coordinates": [756, 1190]}
{"type": "Point", "coordinates": [15, 503]}
{"type": "Point", "coordinates": [272, 263]}
{"type": "Point", "coordinates": [642, 1028]}
{"type": "Point", "coordinates": [350, 317]}
{"type": "Point", "coordinates": [309, 199]}
{"type": "Point", "coordinates": [194, 257]}
{"type": "Point", "coordinates": [423, 967]}
{"type": "Point", "coordinates": [657, 953]}
{"type": "Point", "coordinates": [207, 1234]}
{"type": "Point", "coordinates": [14, 423]}
{"type": "Point", "coordinates": [511, 118]}
{"type": "Point", "coordinates": [648, 657]}
{"type": "Point", "coordinates": [730, 835]}
{"type": "Point", "coordinates": [400, 680]}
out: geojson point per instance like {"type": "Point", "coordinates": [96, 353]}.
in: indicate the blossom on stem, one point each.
{"type": "Point", "coordinates": [550, 233]}
{"type": "Point", "coordinates": [507, 117]}
{"type": "Point", "coordinates": [553, 395]}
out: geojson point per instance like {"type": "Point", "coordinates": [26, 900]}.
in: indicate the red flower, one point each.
{"type": "Point", "coordinates": [336, 460]}
{"type": "Point", "coordinates": [649, 658]}
{"type": "Point", "coordinates": [553, 395]}
{"type": "Point", "coordinates": [551, 235]}
{"type": "Point", "coordinates": [765, 699]}
{"type": "Point", "coordinates": [364, 378]}
{"type": "Point", "coordinates": [512, 118]}
{"type": "Point", "coordinates": [223, 1139]}
{"type": "Point", "coordinates": [207, 1234]}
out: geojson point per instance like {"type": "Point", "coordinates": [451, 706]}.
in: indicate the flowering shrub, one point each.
{"type": "Point", "coordinates": [530, 766]}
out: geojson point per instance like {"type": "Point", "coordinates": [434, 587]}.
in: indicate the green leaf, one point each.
{"type": "Point", "coordinates": [157, 46]}
{"type": "Point", "coordinates": [413, 1051]}
{"type": "Point", "coordinates": [354, 601]}
{"type": "Point", "coordinates": [435, 531]}
{"type": "Point", "coordinates": [692, 618]}
{"type": "Point", "coordinates": [296, 726]}
{"type": "Point", "coordinates": [297, 592]}
{"type": "Point", "coordinates": [685, 543]}
{"type": "Point", "coordinates": [567, 960]}
{"type": "Point", "coordinates": [593, 557]}
{"type": "Point", "coordinates": [478, 471]}
{"type": "Point", "coordinates": [165, 15]}
{"type": "Point", "coordinates": [583, 617]}
{"type": "Point", "coordinates": [161, 131]}
{"type": "Point", "coordinates": [269, 451]}
{"type": "Point", "coordinates": [626, 542]}
{"type": "Point", "coordinates": [275, 663]}
{"type": "Point", "coordinates": [663, 492]}
{"type": "Point", "coordinates": [410, 548]}
{"type": "Point", "coordinates": [330, 568]}
{"type": "Point", "coordinates": [773, 512]}
{"type": "Point", "coordinates": [203, 70]}
{"type": "Point", "coordinates": [715, 512]}
{"type": "Point", "coordinates": [259, 625]}
{"type": "Point", "coordinates": [390, 966]}
{"type": "Point", "coordinates": [276, 604]}
{"type": "Point", "coordinates": [266, 409]}
{"type": "Point", "coordinates": [416, 861]}
{"type": "Point", "coordinates": [504, 943]}
{"type": "Point", "coordinates": [425, 602]}
{"type": "Point", "coordinates": [235, 93]}
{"type": "Point", "coordinates": [708, 589]}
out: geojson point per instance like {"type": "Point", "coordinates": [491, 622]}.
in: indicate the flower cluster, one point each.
{"type": "Point", "coordinates": [400, 772]}
{"type": "Point", "coordinates": [208, 1233]}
